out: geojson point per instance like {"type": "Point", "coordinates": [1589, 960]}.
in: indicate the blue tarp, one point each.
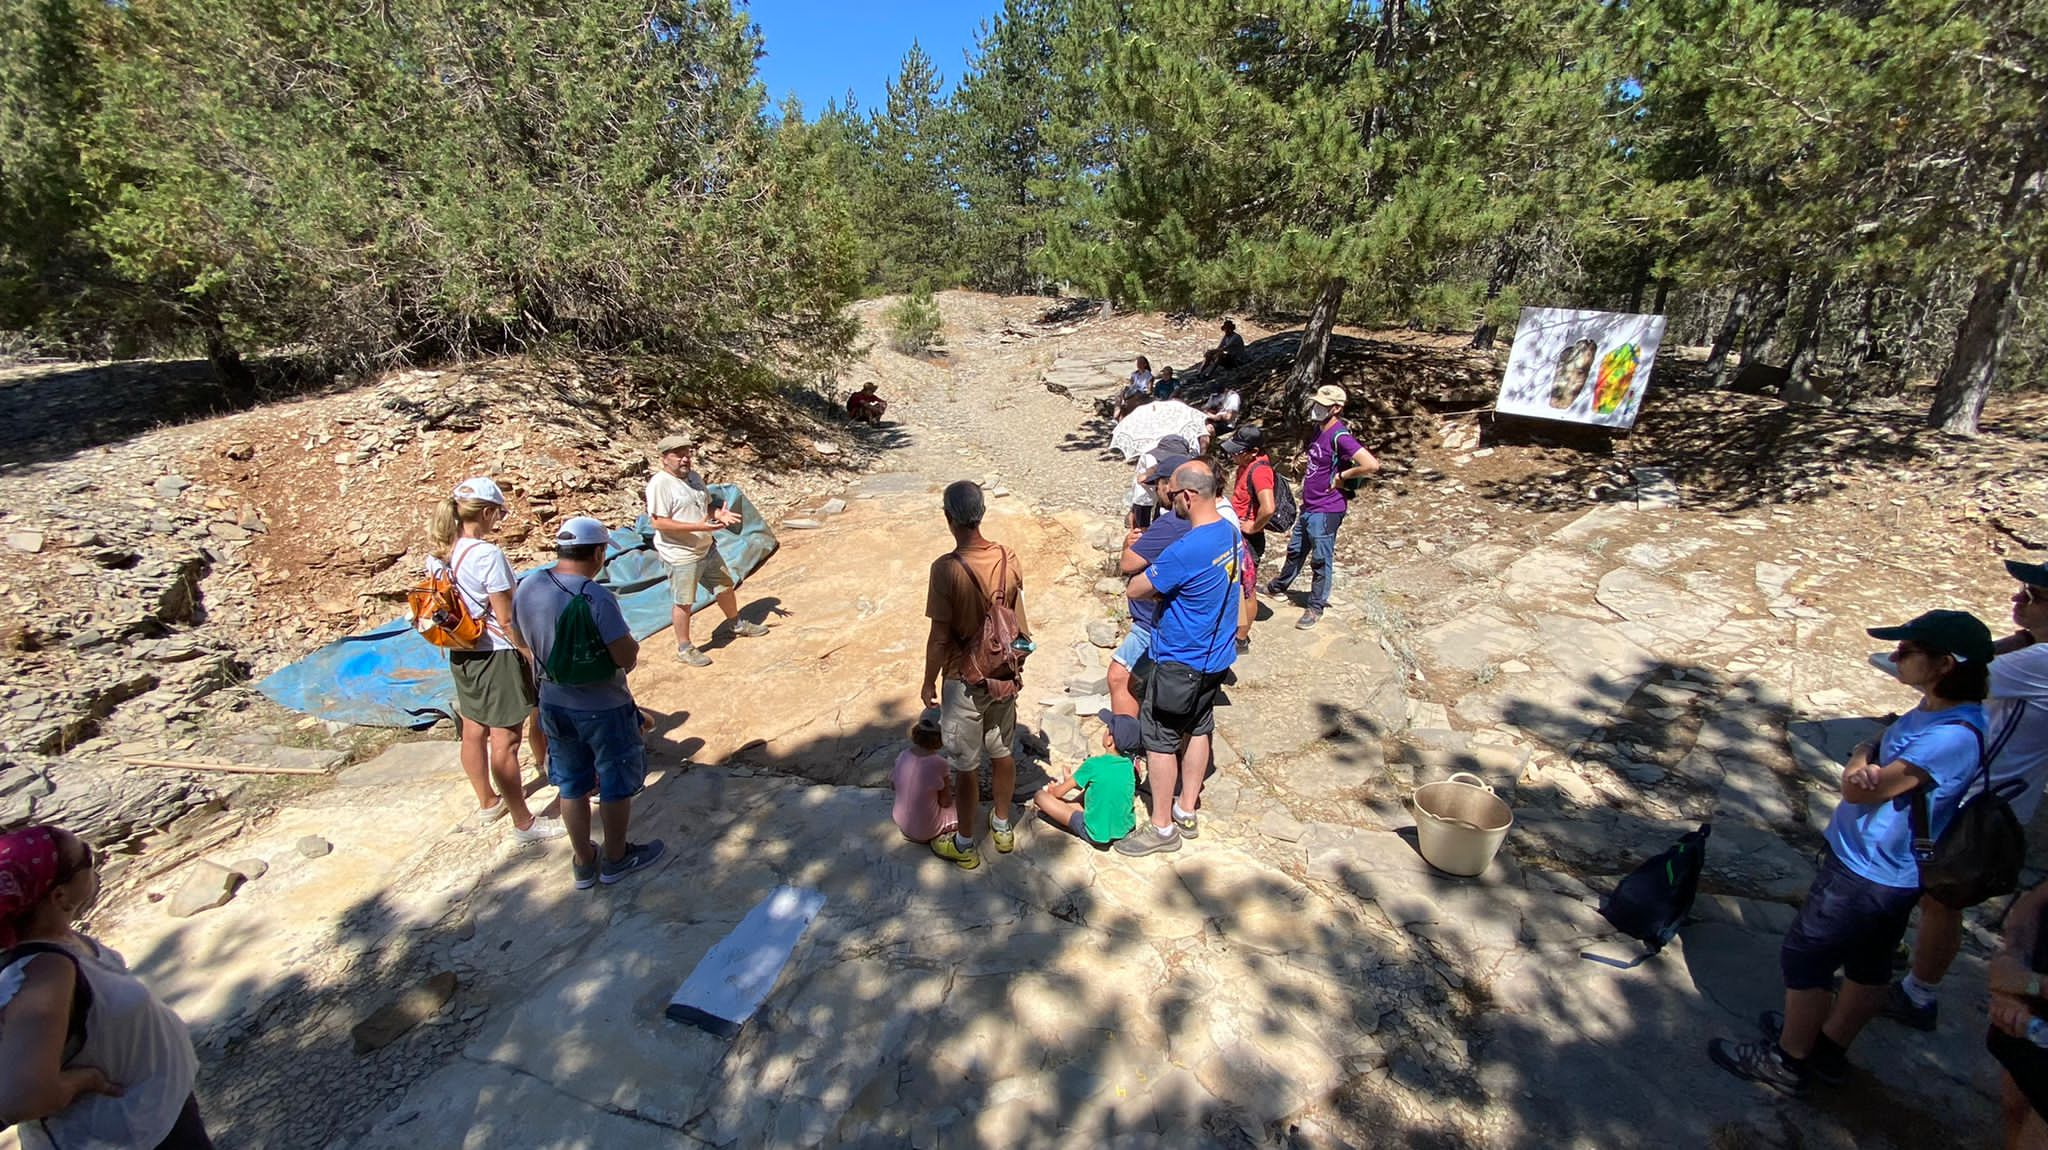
{"type": "Point", "coordinates": [391, 677]}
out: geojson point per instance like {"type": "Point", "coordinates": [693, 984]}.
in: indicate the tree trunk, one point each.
{"type": "Point", "coordinates": [1863, 344]}
{"type": "Point", "coordinates": [1505, 265]}
{"type": "Point", "coordinates": [1731, 326]}
{"type": "Point", "coordinates": [1636, 286]}
{"type": "Point", "coordinates": [1663, 296]}
{"type": "Point", "coordinates": [228, 366]}
{"type": "Point", "coordinates": [1798, 386]}
{"type": "Point", "coordinates": [1768, 318]}
{"type": "Point", "coordinates": [1980, 338]}
{"type": "Point", "coordinates": [1315, 349]}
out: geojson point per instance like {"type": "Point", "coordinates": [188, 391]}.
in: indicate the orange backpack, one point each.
{"type": "Point", "coordinates": [441, 614]}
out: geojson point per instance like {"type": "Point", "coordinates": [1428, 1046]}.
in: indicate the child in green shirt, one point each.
{"type": "Point", "coordinates": [1108, 784]}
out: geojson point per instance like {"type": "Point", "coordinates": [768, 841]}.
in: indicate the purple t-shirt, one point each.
{"type": "Point", "coordinates": [1164, 532]}
{"type": "Point", "coordinates": [1332, 443]}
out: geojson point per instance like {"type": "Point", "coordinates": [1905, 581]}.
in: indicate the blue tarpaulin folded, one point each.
{"type": "Point", "coordinates": [391, 677]}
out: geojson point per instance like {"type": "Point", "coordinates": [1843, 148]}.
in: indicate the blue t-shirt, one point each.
{"type": "Point", "coordinates": [1875, 840]}
{"type": "Point", "coordinates": [538, 603]}
{"type": "Point", "coordinates": [1164, 532]}
{"type": "Point", "coordinates": [1197, 579]}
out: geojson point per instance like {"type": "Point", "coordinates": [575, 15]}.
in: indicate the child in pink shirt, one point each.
{"type": "Point", "coordinates": [924, 785]}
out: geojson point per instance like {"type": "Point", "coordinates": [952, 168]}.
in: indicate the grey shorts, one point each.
{"type": "Point", "coordinates": [975, 725]}
{"type": "Point", "coordinates": [707, 571]}
{"type": "Point", "coordinates": [492, 687]}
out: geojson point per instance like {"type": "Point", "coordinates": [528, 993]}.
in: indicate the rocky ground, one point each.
{"type": "Point", "coordinates": [1624, 639]}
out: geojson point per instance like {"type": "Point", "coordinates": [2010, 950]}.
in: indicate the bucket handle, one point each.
{"type": "Point", "coordinates": [1470, 780]}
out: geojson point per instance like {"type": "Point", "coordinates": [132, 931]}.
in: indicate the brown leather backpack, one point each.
{"type": "Point", "coordinates": [994, 660]}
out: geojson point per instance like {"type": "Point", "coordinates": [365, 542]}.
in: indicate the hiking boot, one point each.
{"type": "Point", "coordinates": [1005, 838]}
{"type": "Point", "coordinates": [1309, 618]}
{"type": "Point", "coordinates": [585, 874]}
{"type": "Point", "coordinates": [1899, 1008]}
{"type": "Point", "coordinates": [638, 856]}
{"type": "Point", "coordinates": [966, 858]}
{"type": "Point", "coordinates": [1828, 1070]}
{"type": "Point", "coordinates": [1145, 839]}
{"type": "Point", "coordinates": [539, 830]}
{"type": "Point", "coordinates": [1758, 1062]}
{"type": "Point", "coordinates": [745, 629]}
{"type": "Point", "coordinates": [692, 656]}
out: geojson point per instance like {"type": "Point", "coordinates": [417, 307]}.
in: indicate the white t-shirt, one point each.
{"type": "Point", "coordinates": [481, 568]}
{"type": "Point", "coordinates": [1227, 404]}
{"type": "Point", "coordinates": [2019, 688]}
{"type": "Point", "coordinates": [685, 502]}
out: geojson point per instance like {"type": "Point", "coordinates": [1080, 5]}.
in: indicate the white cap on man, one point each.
{"type": "Point", "coordinates": [583, 531]}
{"type": "Point", "coordinates": [479, 489]}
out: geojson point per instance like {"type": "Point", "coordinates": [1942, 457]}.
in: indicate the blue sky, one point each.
{"type": "Point", "coordinates": [820, 48]}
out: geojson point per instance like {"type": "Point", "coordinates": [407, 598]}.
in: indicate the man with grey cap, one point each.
{"type": "Point", "coordinates": [582, 650]}
{"type": "Point", "coordinates": [2017, 748]}
{"type": "Point", "coordinates": [680, 510]}
{"type": "Point", "coordinates": [1335, 458]}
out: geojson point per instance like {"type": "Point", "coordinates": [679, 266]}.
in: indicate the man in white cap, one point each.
{"type": "Point", "coordinates": [680, 510]}
{"type": "Point", "coordinates": [582, 650]}
{"type": "Point", "coordinates": [1335, 457]}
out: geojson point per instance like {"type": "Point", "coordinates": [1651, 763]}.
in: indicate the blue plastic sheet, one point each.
{"type": "Point", "coordinates": [391, 677]}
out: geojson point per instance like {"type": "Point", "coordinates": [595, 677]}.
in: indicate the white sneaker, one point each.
{"type": "Point", "coordinates": [485, 816]}
{"type": "Point", "coordinates": [541, 830]}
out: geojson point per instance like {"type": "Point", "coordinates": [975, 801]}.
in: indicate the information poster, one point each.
{"type": "Point", "coordinates": [1580, 366]}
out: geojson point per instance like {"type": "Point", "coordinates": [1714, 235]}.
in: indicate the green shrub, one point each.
{"type": "Point", "coordinates": [914, 322]}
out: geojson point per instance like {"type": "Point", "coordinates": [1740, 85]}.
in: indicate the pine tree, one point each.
{"type": "Point", "coordinates": [910, 203]}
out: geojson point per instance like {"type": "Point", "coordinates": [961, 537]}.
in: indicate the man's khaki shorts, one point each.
{"type": "Point", "coordinates": [973, 725]}
{"type": "Point", "coordinates": [707, 571]}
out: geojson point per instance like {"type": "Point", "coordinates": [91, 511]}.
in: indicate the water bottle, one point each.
{"type": "Point", "coordinates": [2037, 1032]}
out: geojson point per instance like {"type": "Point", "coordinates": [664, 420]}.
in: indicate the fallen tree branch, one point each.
{"type": "Point", "coordinates": [224, 768]}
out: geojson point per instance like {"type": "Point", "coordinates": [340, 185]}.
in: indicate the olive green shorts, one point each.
{"type": "Point", "coordinates": [492, 687]}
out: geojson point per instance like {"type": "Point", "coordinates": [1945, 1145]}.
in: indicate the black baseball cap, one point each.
{"type": "Point", "coordinates": [1956, 633]}
{"type": "Point", "coordinates": [1167, 465]}
{"type": "Point", "coordinates": [2032, 574]}
{"type": "Point", "coordinates": [1246, 438]}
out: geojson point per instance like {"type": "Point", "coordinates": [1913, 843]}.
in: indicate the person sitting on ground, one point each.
{"type": "Point", "coordinates": [1192, 649]}
{"type": "Point", "coordinates": [924, 785]}
{"type": "Point", "coordinates": [118, 1073]}
{"type": "Point", "coordinates": [2018, 747]}
{"type": "Point", "coordinates": [1856, 910]}
{"type": "Point", "coordinates": [864, 406]}
{"type": "Point", "coordinates": [680, 510]}
{"type": "Point", "coordinates": [1141, 549]}
{"type": "Point", "coordinates": [2018, 998]}
{"type": "Point", "coordinates": [963, 583]}
{"type": "Point", "coordinates": [1222, 410]}
{"type": "Point", "coordinates": [594, 728]}
{"type": "Point", "coordinates": [1228, 352]}
{"type": "Point", "coordinates": [1103, 813]}
{"type": "Point", "coordinates": [1137, 391]}
{"type": "Point", "coordinates": [494, 692]}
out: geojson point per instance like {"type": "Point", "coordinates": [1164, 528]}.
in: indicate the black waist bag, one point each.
{"type": "Point", "coordinates": [1980, 852]}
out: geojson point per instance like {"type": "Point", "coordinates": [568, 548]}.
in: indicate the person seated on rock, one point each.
{"type": "Point", "coordinates": [88, 1055]}
{"type": "Point", "coordinates": [1228, 352]}
{"type": "Point", "coordinates": [1103, 814]}
{"type": "Point", "coordinates": [2019, 996]}
{"type": "Point", "coordinates": [924, 784]}
{"type": "Point", "coordinates": [2018, 749]}
{"type": "Point", "coordinates": [1222, 410]}
{"type": "Point", "coordinates": [864, 406]}
{"type": "Point", "coordinates": [1138, 390]}
{"type": "Point", "coordinates": [1856, 910]}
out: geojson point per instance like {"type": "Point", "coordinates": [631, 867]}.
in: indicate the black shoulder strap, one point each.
{"type": "Point", "coordinates": [1918, 815]}
{"type": "Point", "coordinates": [81, 992]}
{"type": "Point", "coordinates": [2016, 785]}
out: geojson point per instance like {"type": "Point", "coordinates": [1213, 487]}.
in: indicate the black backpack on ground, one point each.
{"type": "Point", "coordinates": [1981, 851]}
{"type": "Point", "coordinates": [1652, 900]}
{"type": "Point", "coordinates": [1284, 508]}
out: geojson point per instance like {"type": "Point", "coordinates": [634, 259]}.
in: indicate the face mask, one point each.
{"type": "Point", "coordinates": [1318, 412]}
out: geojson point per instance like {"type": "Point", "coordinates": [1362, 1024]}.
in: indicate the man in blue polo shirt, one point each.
{"type": "Point", "coordinates": [1193, 644]}
{"type": "Point", "coordinates": [1141, 548]}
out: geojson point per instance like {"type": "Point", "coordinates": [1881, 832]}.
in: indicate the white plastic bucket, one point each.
{"type": "Point", "coordinates": [1460, 824]}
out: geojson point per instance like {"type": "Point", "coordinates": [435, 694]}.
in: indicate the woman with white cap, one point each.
{"type": "Point", "coordinates": [494, 694]}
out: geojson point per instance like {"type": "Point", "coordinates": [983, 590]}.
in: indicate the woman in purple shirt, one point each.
{"type": "Point", "coordinates": [1334, 457]}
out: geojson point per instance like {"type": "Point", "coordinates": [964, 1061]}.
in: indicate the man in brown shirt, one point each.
{"type": "Point", "coordinates": [963, 582]}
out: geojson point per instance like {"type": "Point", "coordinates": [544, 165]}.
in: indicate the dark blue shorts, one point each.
{"type": "Point", "coordinates": [596, 751]}
{"type": "Point", "coordinates": [1848, 924]}
{"type": "Point", "coordinates": [1078, 823]}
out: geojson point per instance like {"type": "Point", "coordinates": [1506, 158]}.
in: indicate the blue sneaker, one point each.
{"type": "Point", "coordinates": [638, 856]}
{"type": "Point", "coordinates": [585, 874]}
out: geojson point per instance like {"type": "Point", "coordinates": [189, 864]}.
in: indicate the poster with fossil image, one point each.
{"type": "Point", "coordinates": [1580, 366]}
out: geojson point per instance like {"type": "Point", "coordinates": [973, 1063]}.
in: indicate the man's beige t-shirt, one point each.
{"type": "Point", "coordinates": [671, 498]}
{"type": "Point", "coordinates": [958, 600]}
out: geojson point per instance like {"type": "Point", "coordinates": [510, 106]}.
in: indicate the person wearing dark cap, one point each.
{"type": "Point", "coordinates": [1857, 908]}
{"type": "Point", "coordinates": [2018, 749]}
{"type": "Point", "coordinates": [1254, 498]}
{"type": "Point", "coordinates": [1141, 547]}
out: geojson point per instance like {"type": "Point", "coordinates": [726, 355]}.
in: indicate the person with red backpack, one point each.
{"type": "Point", "coordinates": [977, 644]}
{"type": "Point", "coordinates": [1256, 496]}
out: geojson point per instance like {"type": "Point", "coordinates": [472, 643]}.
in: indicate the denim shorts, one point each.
{"type": "Point", "coordinates": [1078, 823]}
{"type": "Point", "coordinates": [1133, 648]}
{"type": "Point", "coordinates": [1849, 924]}
{"type": "Point", "coordinates": [596, 751]}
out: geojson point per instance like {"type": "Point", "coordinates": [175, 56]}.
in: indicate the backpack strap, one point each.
{"type": "Point", "coordinates": [1919, 816]}
{"type": "Point", "coordinates": [2012, 787]}
{"type": "Point", "coordinates": [81, 989]}
{"type": "Point", "coordinates": [988, 600]}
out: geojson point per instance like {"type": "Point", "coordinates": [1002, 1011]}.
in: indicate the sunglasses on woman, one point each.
{"type": "Point", "coordinates": [67, 873]}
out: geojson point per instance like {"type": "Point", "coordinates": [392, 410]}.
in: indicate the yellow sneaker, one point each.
{"type": "Point", "coordinates": [1005, 838]}
{"type": "Point", "coordinates": [966, 858]}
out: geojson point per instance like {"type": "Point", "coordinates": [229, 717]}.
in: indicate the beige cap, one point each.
{"type": "Point", "coordinates": [1329, 395]}
{"type": "Point", "coordinates": [674, 443]}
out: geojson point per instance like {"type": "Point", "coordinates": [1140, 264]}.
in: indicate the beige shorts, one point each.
{"type": "Point", "coordinates": [974, 725]}
{"type": "Point", "coordinates": [707, 571]}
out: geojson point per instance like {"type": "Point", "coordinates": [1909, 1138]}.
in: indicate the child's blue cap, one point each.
{"type": "Point", "coordinates": [1123, 731]}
